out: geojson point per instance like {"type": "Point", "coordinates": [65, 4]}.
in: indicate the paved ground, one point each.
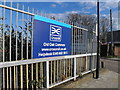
{"type": "Point", "coordinates": [108, 79]}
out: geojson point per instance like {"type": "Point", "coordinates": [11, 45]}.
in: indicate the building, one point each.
{"type": "Point", "coordinates": [106, 47]}
{"type": "Point", "coordinates": [116, 41]}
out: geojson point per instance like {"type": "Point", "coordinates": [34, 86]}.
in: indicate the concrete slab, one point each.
{"type": "Point", "coordinates": [108, 79]}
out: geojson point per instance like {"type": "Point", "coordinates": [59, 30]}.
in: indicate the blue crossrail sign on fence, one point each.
{"type": "Point", "coordinates": [50, 38]}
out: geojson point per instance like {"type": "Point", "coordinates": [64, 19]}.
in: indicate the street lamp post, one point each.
{"type": "Point", "coordinates": [112, 50]}
{"type": "Point", "coordinates": [98, 52]}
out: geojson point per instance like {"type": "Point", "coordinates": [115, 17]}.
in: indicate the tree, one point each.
{"type": "Point", "coordinates": [89, 22]}
{"type": "Point", "coordinates": [104, 27]}
{"type": "Point", "coordinates": [84, 21]}
{"type": "Point", "coordinates": [27, 25]}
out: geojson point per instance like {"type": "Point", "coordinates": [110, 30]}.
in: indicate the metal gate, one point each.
{"type": "Point", "coordinates": [19, 70]}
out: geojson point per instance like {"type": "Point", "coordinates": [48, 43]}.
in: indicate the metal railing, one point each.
{"type": "Point", "coordinates": [19, 70]}
{"type": "Point", "coordinates": [47, 72]}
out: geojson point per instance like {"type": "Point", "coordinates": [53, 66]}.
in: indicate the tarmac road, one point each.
{"type": "Point", "coordinates": [111, 64]}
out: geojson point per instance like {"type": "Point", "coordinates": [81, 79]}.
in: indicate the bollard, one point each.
{"type": "Point", "coordinates": [102, 64]}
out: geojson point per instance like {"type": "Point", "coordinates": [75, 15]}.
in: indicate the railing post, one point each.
{"type": "Point", "coordinates": [47, 74]}
{"type": "Point", "coordinates": [86, 62]}
{"type": "Point", "coordinates": [75, 68]}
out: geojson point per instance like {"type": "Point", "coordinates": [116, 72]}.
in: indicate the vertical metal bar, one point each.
{"type": "Point", "coordinates": [83, 37]}
{"type": "Point", "coordinates": [47, 74]}
{"type": "Point", "coordinates": [39, 73]}
{"type": "Point", "coordinates": [10, 43]}
{"type": "Point", "coordinates": [16, 70]}
{"type": "Point", "coordinates": [66, 66]}
{"type": "Point", "coordinates": [27, 32]}
{"type": "Point", "coordinates": [42, 73]}
{"type": "Point", "coordinates": [69, 67]}
{"type": "Point", "coordinates": [27, 49]}
{"type": "Point", "coordinates": [73, 38]}
{"type": "Point", "coordinates": [4, 44]}
{"type": "Point", "coordinates": [88, 45]}
{"type": "Point", "coordinates": [16, 32]}
{"type": "Point", "coordinates": [77, 41]}
{"type": "Point", "coordinates": [57, 70]}
{"type": "Point", "coordinates": [74, 68]}
{"type": "Point", "coordinates": [86, 61]}
{"type": "Point", "coordinates": [51, 72]}
{"type": "Point", "coordinates": [21, 76]}
{"type": "Point", "coordinates": [27, 75]}
{"type": "Point", "coordinates": [32, 46]}
{"type": "Point", "coordinates": [86, 42]}
{"type": "Point", "coordinates": [22, 32]}
{"type": "Point", "coordinates": [36, 73]}
{"type": "Point", "coordinates": [32, 34]}
{"type": "Point", "coordinates": [21, 67]}
{"type": "Point", "coordinates": [74, 41]}
{"type": "Point", "coordinates": [60, 71]}
{"type": "Point", "coordinates": [14, 76]}
{"type": "Point", "coordinates": [72, 48]}
{"type": "Point", "coordinates": [92, 52]}
{"type": "Point", "coordinates": [54, 71]}
{"type": "Point", "coordinates": [7, 77]}
{"type": "Point", "coordinates": [32, 73]}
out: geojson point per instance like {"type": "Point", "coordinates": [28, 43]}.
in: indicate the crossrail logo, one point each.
{"type": "Point", "coordinates": [55, 33]}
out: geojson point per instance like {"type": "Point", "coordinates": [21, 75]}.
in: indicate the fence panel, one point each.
{"type": "Point", "coordinates": [19, 70]}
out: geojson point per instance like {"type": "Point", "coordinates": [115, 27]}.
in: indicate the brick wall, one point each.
{"type": "Point", "coordinates": [117, 51]}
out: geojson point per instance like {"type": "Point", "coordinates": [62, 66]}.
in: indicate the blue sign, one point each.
{"type": "Point", "coordinates": [50, 38]}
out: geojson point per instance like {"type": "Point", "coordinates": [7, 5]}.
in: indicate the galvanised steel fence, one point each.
{"type": "Point", "coordinates": [19, 70]}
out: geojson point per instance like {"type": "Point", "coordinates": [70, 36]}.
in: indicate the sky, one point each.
{"type": "Point", "coordinates": [62, 9]}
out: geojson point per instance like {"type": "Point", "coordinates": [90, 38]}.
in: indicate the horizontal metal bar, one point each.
{"type": "Point", "coordinates": [79, 27]}
{"type": "Point", "coordinates": [62, 82]}
{"type": "Point", "coordinates": [82, 28]}
{"type": "Point", "coordinates": [80, 55]}
{"type": "Point", "coordinates": [87, 72]}
{"type": "Point", "coordinates": [31, 61]}
{"type": "Point", "coordinates": [14, 9]}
